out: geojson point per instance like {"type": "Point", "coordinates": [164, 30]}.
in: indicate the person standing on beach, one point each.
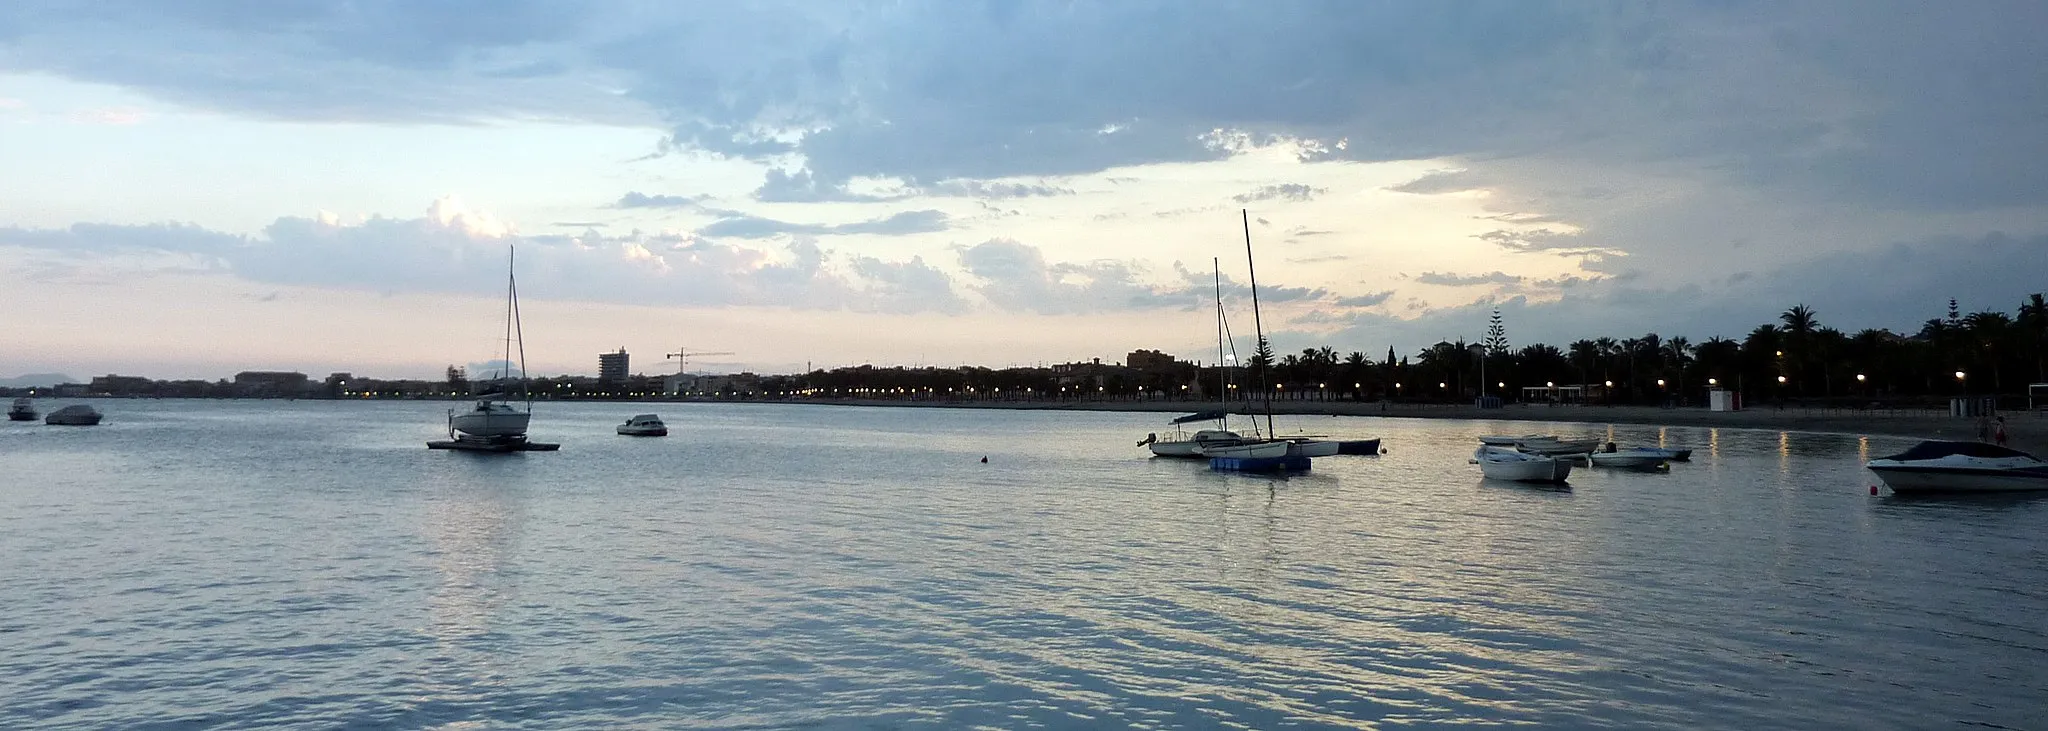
{"type": "Point", "coordinates": [1998, 432]}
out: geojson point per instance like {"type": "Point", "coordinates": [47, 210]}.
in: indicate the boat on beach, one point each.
{"type": "Point", "coordinates": [1960, 467]}
{"type": "Point", "coordinates": [22, 410]}
{"type": "Point", "coordinates": [643, 425]}
{"type": "Point", "coordinates": [1497, 463]}
{"type": "Point", "coordinates": [73, 415]}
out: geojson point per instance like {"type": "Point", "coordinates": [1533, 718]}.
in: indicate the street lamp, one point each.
{"type": "Point", "coordinates": [1859, 378]}
{"type": "Point", "coordinates": [1713, 381]}
{"type": "Point", "coordinates": [1960, 375]}
{"type": "Point", "coordinates": [1660, 383]}
{"type": "Point", "coordinates": [1781, 379]}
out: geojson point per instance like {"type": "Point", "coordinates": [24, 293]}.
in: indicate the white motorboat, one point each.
{"type": "Point", "coordinates": [1248, 450]}
{"type": "Point", "coordinates": [23, 410]}
{"type": "Point", "coordinates": [1183, 444]}
{"type": "Point", "coordinates": [1960, 467]}
{"type": "Point", "coordinates": [644, 425]}
{"type": "Point", "coordinates": [1507, 464]}
{"type": "Point", "coordinates": [1638, 459]}
{"type": "Point", "coordinates": [73, 415]}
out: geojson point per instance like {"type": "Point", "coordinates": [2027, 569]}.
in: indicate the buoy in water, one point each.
{"type": "Point", "coordinates": [984, 460]}
{"type": "Point", "coordinates": [1873, 489]}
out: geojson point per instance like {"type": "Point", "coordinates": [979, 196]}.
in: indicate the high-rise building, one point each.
{"type": "Point", "coordinates": [613, 367]}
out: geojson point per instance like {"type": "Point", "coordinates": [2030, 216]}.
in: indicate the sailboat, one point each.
{"type": "Point", "coordinates": [1182, 444]}
{"type": "Point", "coordinates": [1271, 453]}
{"type": "Point", "coordinates": [495, 424]}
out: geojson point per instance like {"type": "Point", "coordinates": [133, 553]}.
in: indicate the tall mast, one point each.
{"type": "Point", "coordinates": [511, 295]}
{"type": "Point", "coordinates": [1257, 329]}
{"type": "Point", "coordinates": [519, 328]}
{"type": "Point", "coordinates": [1222, 372]}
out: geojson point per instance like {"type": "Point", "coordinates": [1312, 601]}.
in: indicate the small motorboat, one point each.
{"type": "Point", "coordinates": [1509, 441]}
{"type": "Point", "coordinates": [1359, 446]}
{"type": "Point", "coordinates": [1635, 459]}
{"type": "Point", "coordinates": [1507, 464]}
{"type": "Point", "coordinates": [644, 425]}
{"type": "Point", "coordinates": [73, 415]}
{"type": "Point", "coordinates": [1248, 450]}
{"type": "Point", "coordinates": [1960, 467]}
{"type": "Point", "coordinates": [1554, 447]}
{"type": "Point", "coordinates": [23, 410]}
{"type": "Point", "coordinates": [1182, 444]}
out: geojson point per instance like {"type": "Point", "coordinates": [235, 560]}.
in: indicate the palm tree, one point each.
{"type": "Point", "coordinates": [1585, 353]}
{"type": "Point", "coordinates": [1677, 356]}
{"type": "Point", "coordinates": [2033, 326]}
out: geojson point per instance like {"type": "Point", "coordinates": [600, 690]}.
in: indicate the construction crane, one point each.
{"type": "Point", "coordinates": [683, 356]}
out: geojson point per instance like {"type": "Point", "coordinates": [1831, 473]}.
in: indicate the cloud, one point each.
{"type": "Point", "coordinates": [993, 189]}
{"type": "Point", "coordinates": [1281, 191]}
{"type": "Point", "coordinates": [636, 199]}
{"type": "Point", "coordinates": [1364, 300]}
{"type": "Point", "coordinates": [456, 250]}
{"type": "Point", "coordinates": [1467, 280]}
{"type": "Point", "coordinates": [1436, 183]}
{"type": "Point", "coordinates": [899, 224]}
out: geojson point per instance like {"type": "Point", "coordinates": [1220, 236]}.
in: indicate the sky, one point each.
{"type": "Point", "coordinates": [196, 188]}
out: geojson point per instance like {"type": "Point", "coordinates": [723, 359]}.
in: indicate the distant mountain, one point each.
{"type": "Point", "coordinates": [37, 380]}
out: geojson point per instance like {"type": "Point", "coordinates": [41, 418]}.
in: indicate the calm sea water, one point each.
{"type": "Point", "coordinates": [262, 564]}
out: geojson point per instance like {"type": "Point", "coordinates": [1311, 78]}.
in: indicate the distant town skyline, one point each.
{"type": "Point", "coordinates": [195, 189]}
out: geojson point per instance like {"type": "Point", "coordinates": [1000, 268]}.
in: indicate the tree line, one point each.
{"type": "Point", "coordinates": [1795, 358]}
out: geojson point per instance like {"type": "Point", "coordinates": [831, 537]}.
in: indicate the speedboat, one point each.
{"type": "Point", "coordinates": [491, 418]}
{"type": "Point", "coordinates": [1248, 450]}
{"type": "Point", "coordinates": [23, 410]}
{"type": "Point", "coordinates": [1507, 464]}
{"type": "Point", "coordinates": [644, 425]}
{"type": "Point", "coordinates": [73, 415]}
{"type": "Point", "coordinates": [1640, 458]}
{"type": "Point", "coordinates": [1960, 467]}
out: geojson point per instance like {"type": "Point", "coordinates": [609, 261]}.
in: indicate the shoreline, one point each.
{"type": "Point", "coordinates": [2025, 432]}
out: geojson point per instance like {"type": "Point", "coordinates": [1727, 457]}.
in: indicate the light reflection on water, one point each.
{"type": "Point", "coordinates": [262, 564]}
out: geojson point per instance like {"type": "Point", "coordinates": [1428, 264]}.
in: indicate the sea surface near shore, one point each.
{"type": "Point", "coordinates": [252, 564]}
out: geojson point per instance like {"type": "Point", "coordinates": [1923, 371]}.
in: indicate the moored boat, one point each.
{"type": "Point", "coordinates": [22, 410]}
{"type": "Point", "coordinates": [74, 415]}
{"type": "Point", "coordinates": [1938, 466]}
{"type": "Point", "coordinates": [1248, 450]}
{"type": "Point", "coordinates": [1359, 446]}
{"type": "Point", "coordinates": [1183, 444]}
{"type": "Point", "coordinates": [1507, 464]}
{"type": "Point", "coordinates": [1640, 459]}
{"type": "Point", "coordinates": [1554, 447]}
{"type": "Point", "coordinates": [1310, 447]}
{"type": "Point", "coordinates": [644, 425]}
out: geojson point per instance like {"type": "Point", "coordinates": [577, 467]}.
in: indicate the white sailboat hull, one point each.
{"type": "Point", "coordinates": [1259, 450]}
{"type": "Point", "coordinates": [494, 423]}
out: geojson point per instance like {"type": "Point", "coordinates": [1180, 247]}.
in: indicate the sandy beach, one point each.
{"type": "Point", "coordinates": [2028, 432]}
